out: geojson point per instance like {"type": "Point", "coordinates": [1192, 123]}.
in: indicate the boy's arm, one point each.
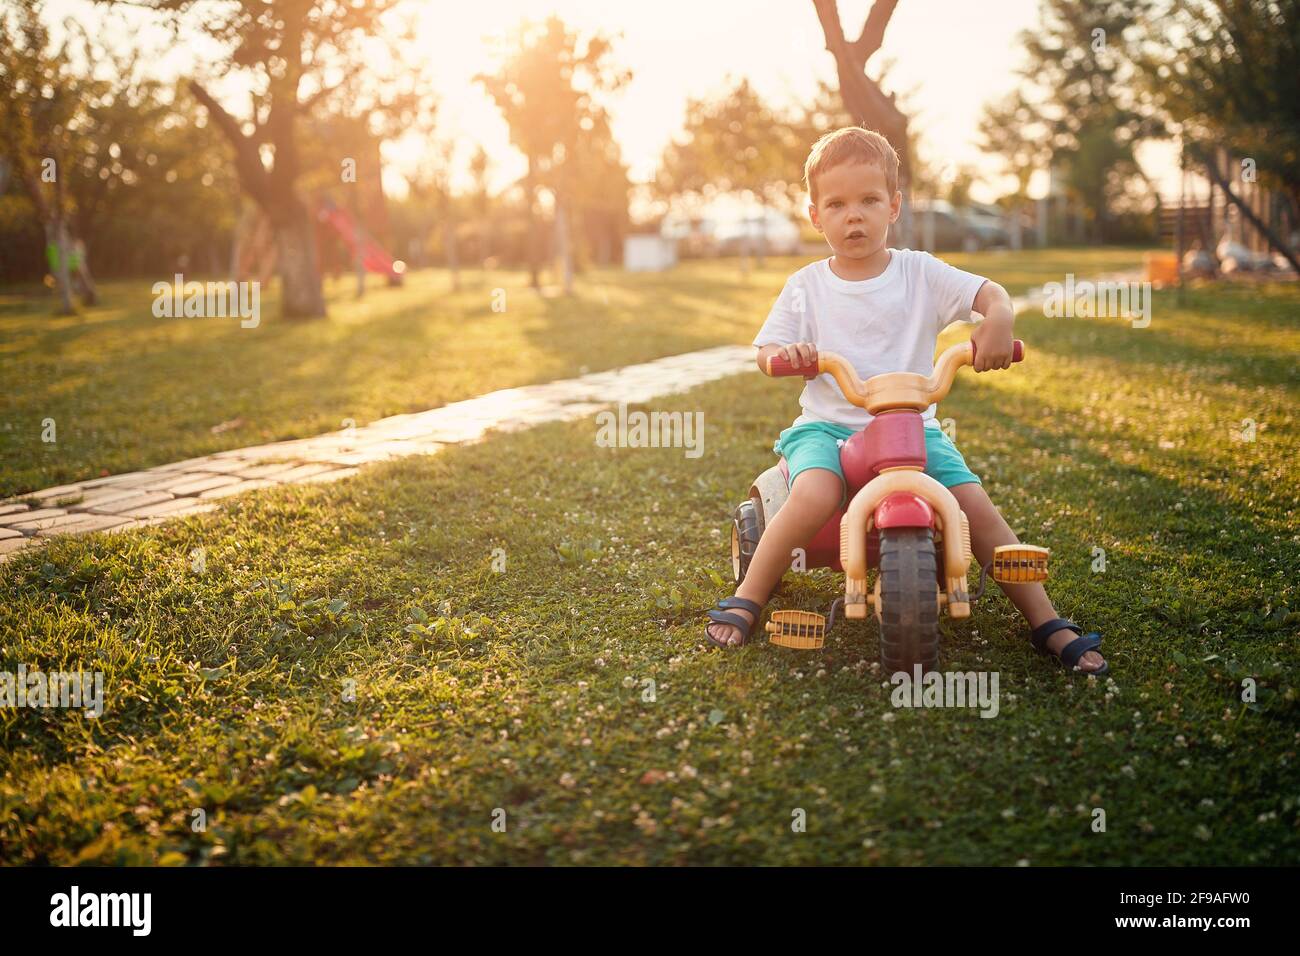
{"type": "Point", "coordinates": [992, 337]}
{"type": "Point", "coordinates": [784, 328]}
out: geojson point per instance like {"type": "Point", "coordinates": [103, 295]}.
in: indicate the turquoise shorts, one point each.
{"type": "Point", "coordinates": [813, 445]}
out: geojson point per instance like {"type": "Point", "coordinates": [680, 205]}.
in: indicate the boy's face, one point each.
{"type": "Point", "coordinates": [854, 209]}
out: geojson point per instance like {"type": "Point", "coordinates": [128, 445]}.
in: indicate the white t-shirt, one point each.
{"type": "Point", "coordinates": [889, 323]}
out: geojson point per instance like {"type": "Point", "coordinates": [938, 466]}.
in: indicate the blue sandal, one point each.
{"type": "Point", "coordinates": [735, 620]}
{"type": "Point", "coordinates": [1070, 653]}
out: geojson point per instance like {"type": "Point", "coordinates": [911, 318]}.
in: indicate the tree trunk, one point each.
{"type": "Point", "coordinates": [453, 253]}
{"type": "Point", "coordinates": [90, 294]}
{"type": "Point", "coordinates": [51, 218]}
{"type": "Point", "coordinates": [562, 245]}
{"type": "Point", "coordinates": [359, 265]}
{"type": "Point", "coordinates": [57, 236]}
{"type": "Point", "coordinates": [274, 191]}
{"type": "Point", "coordinates": [301, 295]}
{"type": "Point", "coordinates": [530, 188]}
{"type": "Point", "coordinates": [358, 250]}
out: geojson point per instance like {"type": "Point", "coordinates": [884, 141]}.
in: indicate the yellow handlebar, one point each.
{"type": "Point", "coordinates": [902, 389]}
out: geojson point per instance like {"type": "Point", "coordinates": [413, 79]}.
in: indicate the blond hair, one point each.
{"type": "Point", "coordinates": [850, 144]}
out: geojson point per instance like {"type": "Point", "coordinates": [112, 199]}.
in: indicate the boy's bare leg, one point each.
{"type": "Point", "coordinates": [813, 499]}
{"type": "Point", "coordinates": [988, 530]}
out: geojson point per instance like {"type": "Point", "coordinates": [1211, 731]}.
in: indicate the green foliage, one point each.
{"type": "Point", "coordinates": [735, 143]}
{"type": "Point", "coordinates": [1078, 110]}
{"type": "Point", "coordinates": [550, 88]}
{"type": "Point", "coordinates": [1228, 72]}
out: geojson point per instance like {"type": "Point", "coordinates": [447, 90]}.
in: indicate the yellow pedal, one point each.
{"type": "Point", "coordinates": [1019, 564]}
{"type": "Point", "coordinates": [801, 630]}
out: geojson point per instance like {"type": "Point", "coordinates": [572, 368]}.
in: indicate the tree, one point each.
{"type": "Point", "coordinates": [297, 55]}
{"type": "Point", "coordinates": [478, 168]}
{"type": "Point", "coordinates": [601, 188]}
{"type": "Point", "coordinates": [1012, 130]}
{"type": "Point", "coordinates": [547, 90]}
{"type": "Point", "coordinates": [735, 143]}
{"type": "Point", "coordinates": [146, 159]}
{"type": "Point", "coordinates": [863, 97]}
{"type": "Point", "coordinates": [38, 110]}
{"type": "Point", "coordinates": [1077, 109]}
{"type": "Point", "coordinates": [1227, 73]}
{"type": "Point", "coordinates": [430, 186]}
{"type": "Point", "coordinates": [137, 158]}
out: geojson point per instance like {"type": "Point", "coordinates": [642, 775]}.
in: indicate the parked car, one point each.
{"type": "Point", "coordinates": [729, 233]}
{"type": "Point", "coordinates": [768, 230]}
{"type": "Point", "coordinates": [974, 227]}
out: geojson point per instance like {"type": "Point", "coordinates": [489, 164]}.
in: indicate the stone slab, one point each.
{"type": "Point", "coordinates": [137, 499]}
{"type": "Point", "coordinates": [24, 517]}
{"type": "Point", "coordinates": [201, 483]}
{"type": "Point", "coordinates": [172, 509]}
{"type": "Point", "coordinates": [81, 524]}
{"type": "Point", "coordinates": [238, 488]}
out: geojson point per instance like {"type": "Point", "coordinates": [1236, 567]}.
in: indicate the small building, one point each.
{"type": "Point", "coordinates": [648, 252]}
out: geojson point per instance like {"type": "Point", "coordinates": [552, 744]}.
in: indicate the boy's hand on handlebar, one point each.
{"type": "Point", "coordinates": [993, 346]}
{"type": "Point", "coordinates": [800, 354]}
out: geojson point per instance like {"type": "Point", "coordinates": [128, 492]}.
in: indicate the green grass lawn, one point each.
{"type": "Point", "coordinates": [351, 679]}
{"type": "Point", "coordinates": [127, 390]}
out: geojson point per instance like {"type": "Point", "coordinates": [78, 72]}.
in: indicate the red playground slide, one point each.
{"type": "Point", "coordinates": [374, 257]}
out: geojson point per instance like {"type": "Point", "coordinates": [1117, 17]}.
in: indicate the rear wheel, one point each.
{"type": "Point", "coordinates": [744, 538]}
{"type": "Point", "coordinates": [908, 600]}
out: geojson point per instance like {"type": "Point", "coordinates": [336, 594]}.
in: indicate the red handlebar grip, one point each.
{"type": "Point", "coordinates": [1017, 351]}
{"type": "Point", "coordinates": [780, 365]}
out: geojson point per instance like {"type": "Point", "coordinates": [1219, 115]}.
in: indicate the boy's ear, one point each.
{"type": "Point", "coordinates": [812, 215]}
{"type": "Point", "coordinates": [895, 206]}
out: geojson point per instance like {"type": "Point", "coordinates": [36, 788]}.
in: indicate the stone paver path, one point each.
{"type": "Point", "coordinates": [140, 498]}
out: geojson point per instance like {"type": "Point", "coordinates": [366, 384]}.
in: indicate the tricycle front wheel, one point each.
{"type": "Point", "coordinates": [908, 605]}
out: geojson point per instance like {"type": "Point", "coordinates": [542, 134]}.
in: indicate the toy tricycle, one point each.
{"type": "Point", "coordinates": [899, 520]}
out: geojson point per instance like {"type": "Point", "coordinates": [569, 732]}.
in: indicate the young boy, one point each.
{"type": "Point", "coordinates": [882, 309]}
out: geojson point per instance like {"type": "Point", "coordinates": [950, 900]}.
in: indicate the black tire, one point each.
{"type": "Point", "coordinates": [744, 538]}
{"type": "Point", "coordinates": [909, 611]}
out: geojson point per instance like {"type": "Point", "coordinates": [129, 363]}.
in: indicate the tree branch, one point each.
{"type": "Point", "coordinates": [873, 31]}
{"type": "Point", "coordinates": [829, 15]}
{"type": "Point", "coordinates": [248, 158]}
{"type": "Point", "coordinates": [305, 106]}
